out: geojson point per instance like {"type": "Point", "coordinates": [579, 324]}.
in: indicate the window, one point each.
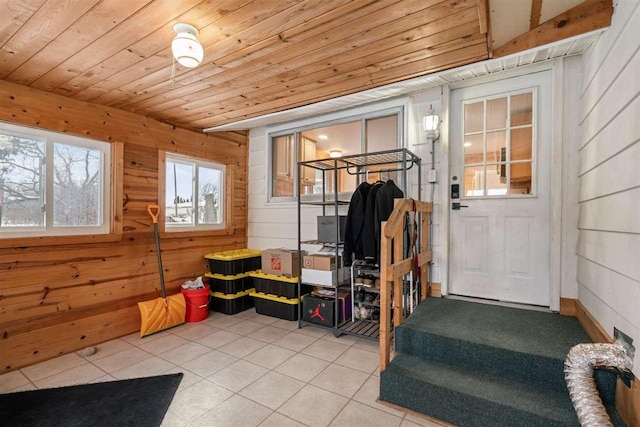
{"type": "Point", "coordinates": [499, 146]}
{"type": "Point", "coordinates": [370, 133]}
{"type": "Point", "coordinates": [194, 194]}
{"type": "Point", "coordinates": [52, 184]}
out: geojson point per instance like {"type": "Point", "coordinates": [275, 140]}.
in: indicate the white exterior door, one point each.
{"type": "Point", "coordinates": [500, 243]}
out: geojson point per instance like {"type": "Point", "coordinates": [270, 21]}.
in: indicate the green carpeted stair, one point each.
{"type": "Point", "coordinates": [475, 364]}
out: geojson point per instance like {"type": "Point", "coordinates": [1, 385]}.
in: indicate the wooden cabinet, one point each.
{"type": "Point", "coordinates": [307, 152]}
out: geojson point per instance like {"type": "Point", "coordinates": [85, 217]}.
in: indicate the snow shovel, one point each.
{"type": "Point", "coordinates": [166, 312]}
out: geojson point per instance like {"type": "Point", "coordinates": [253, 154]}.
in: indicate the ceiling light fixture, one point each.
{"type": "Point", "coordinates": [323, 137]}
{"type": "Point", "coordinates": [467, 144]}
{"type": "Point", "coordinates": [186, 48]}
{"type": "Point", "coordinates": [334, 154]}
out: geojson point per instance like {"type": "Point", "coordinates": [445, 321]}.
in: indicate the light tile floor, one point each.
{"type": "Point", "coordinates": [242, 370]}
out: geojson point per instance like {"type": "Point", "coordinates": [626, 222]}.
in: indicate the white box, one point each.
{"type": "Point", "coordinates": [325, 277]}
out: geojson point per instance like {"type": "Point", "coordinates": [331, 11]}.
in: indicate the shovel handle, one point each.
{"type": "Point", "coordinates": [154, 211]}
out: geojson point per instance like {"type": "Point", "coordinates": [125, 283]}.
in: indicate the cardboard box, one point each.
{"type": "Point", "coordinates": [325, 277]}
{"type": "Point", "coordinates": [320, 262]}
{"type": "Point", "coordinates": [281, 262]}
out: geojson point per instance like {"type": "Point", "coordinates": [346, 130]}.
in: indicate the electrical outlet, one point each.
{"type": "Point", "coordinates": [432, 176]}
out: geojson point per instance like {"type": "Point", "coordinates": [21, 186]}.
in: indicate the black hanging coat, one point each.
{"type": "Point", "coordinates": [369, 244]}
{"type": "Point", "coordinates": [383, 209]}
{"type": "Point", "coordinates": [355, 224]}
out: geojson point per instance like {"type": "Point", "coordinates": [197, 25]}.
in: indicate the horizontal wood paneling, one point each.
{"type": "Point", "coordinates": [598, 214]}
{"type": "Point", "coordinates": [57, 299]}
{"type": "Point", "coordinates": [618, 173]}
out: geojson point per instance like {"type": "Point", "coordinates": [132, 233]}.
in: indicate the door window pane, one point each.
{"type": "Point", "coordinates": [497, 113]}
{"type": "Point", "coordinates": [497, 179]}
{"type": "Point", "coordinates": [209, 196]}
{"type": "Point", "coordinates": [474, 181]}
{"type": "Point", "coordinates": [521, 178]}
{"type": "Point", "coordinates": [521, 143]}
{"type": "Point", "coordinates": [496, 146]}
{"type": "Point", "coordinates": [473, 149]}
{"type": "Point", "coordinates": [522, 109]}
{"type": "Point", "coordinates": [474, 117]}
{"type": "Point", "coordinates": [179, 207]}
{"type": "Point", "coordinates": [76, 189]}
{"type": "Point", "coordinates": [22, 171]}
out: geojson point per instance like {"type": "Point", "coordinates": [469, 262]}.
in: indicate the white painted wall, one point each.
{"type": "Point", "coordinates": [608, 247]}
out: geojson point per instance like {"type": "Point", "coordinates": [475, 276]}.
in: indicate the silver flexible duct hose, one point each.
{"type": "Point", "coordinates": [579, 369]}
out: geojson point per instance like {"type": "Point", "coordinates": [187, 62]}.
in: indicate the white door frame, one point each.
{"type": "Point", "coordinates": [556, 67]}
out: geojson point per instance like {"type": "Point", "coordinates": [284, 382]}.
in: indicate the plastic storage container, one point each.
{"type": "Point", "coordinates": [277, 285]}
{"type": "Point", "coordinates": [234, 262]}
{"type": "Point", "coordinates": [274, 306]}
{"type": "Point", "coordinates": [229, 284]}
{"type": "Point", "coordinates": [197, 301]}
{"type": "Point", "coordinates": [231, 303]}
{"type": "Point", "coordinates": [319, 310]}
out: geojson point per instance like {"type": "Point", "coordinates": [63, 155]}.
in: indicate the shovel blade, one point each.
{"type": "Point", "coordinates": [161, 313]}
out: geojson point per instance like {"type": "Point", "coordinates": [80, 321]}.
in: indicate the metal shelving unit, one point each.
{"type": "Point", "coordinates": [399, 160]}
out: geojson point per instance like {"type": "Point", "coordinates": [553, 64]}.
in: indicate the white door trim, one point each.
{"type": "Point", "coordinates": [557, 172]}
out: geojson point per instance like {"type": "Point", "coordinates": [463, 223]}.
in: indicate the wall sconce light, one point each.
{"type": "Point", "coordinates": [186, 48]}
{"type": "Point", "coordinates": [430, 123]}
{"type": "Point", "coordinates": [334, 154]}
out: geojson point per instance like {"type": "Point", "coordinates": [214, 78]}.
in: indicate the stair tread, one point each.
{"type": "Point", "coordinates": [514, 329]}
{"type": "Point", "coordinates": [523, 397]}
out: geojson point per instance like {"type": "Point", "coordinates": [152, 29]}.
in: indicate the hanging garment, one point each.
{"type": "Point", "coordinates": [355, 224]}
{"type": "Point", "coordinates": [383, 208]}
{"type": "Point", "coordinates": [369, 244]}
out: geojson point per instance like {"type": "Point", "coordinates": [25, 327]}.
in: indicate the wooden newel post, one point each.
{"type": "Point", "coordinates": [385, 299]}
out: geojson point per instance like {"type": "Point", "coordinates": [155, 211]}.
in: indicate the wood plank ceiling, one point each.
{"type": "Point", "coordinates": [261, 56]}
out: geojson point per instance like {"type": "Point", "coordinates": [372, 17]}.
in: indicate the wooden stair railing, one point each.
{"type": "Point", "coordinates": [391, 274]}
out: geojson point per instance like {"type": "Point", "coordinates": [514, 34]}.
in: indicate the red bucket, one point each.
{"type": "Point", "coordinates": [197, 303]}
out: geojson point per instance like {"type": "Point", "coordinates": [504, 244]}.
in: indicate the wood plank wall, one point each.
{"type": "Point", "coordinates": [58, 299]}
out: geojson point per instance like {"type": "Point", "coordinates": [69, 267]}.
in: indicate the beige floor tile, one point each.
{"type": "Point", "coordinates": [193, 331]}
{"type": "Point", "coordinates": [108, 348]}
{"type": "Point", "coordinates": [188, 377]}
{"type": "Point", "coordinates": [272, 390]}
{"type": "Point", "coordinates": [289, 325]}
{"type": "Point", "coordinates": [269, 356]}
{"type": "Point", "coordinates": [313, 331]}
{"type": "Point", "coordinates": [302, 367]}
{"type": "Point", "coordinates": [121, 360]}
{"type": "Point", "coordinates": [313, 406]}
{"type": "Point", "coordinates": [12, 380]}
{"type": "Point", "coordinates": [242, 347]}
{"type": "Point", "coordinates": [218, 339]}
{"type": "Point", "coordinates": [52, 367]}
{"type": "Point", "coordinates": [342, 339]}
{"type": "Point", "coordinates": [236, 411]}
{"type": "Point", "coordinates": [406, 423]}
{"type": "Point", "coordinates": [172, 420]}
{"type": "Point", "coordinates": [265, 320]}
{"type": "Point", "coordinates": [195, 401]}
{"type": "Point", "coordinates": [103, 379]}
{"type": "Point", "coordinates": [369, 393]}
{"type": "Point", "coordinates": [325, 350]}
{"type": "Point", "coordinates": [295, 341]}
{"type": "Point", "coordinates": [163, 344]}
{"type": "Point", "coordinates": [359, 359]}
{"type": "Point", "coordinates": [369, 345]}
{"type": "Point", "coordinates": [209, 363]}
{"type": "Point", "coordinates": [425, 421]}
{"type": "Point", "coordinates": [245, 327]}
{"type": "Point", "coordinates": [278, 420]}
{"type": "Point", "coordinates": [145, 368]}
{"type": "Point", "coordinates": [268, 334]}
{"type": "Point", "coordinates": [221, 321]}
{"type": "Point", "coordinates": [247, 314]}
{"type": "Point", "coordinates": [135, 339]}
{"type": "Point", "coordinates": [341, 380]}
{"type": "Point", "coordinates": [357, 414]}
{"type": "Point", "coordinates": [238, 375]}
{"type": "Point", "coordinates": [184, 353]}
{"type": "Point", "coordinates": [79, 375]}
{"type": "Point", "coordinates": [26, 387]}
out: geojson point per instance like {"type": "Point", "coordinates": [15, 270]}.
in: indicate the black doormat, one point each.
{"type": "Point", "coordinates": [138, 402]}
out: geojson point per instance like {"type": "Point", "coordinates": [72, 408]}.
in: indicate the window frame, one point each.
{"type": "Point", "coordinates": [226, 227]}
{"type": "Point", "coordinates": [534, 144]}
{"type": "Point", "coordinates": [111, 176]}
{"type": "Point", "coordinates": [296, 131]}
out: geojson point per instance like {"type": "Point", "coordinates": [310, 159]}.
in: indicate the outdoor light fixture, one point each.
{"type": "Point", "coordinates": [334, 154]}
{"type": "Point", "coordinates": [186, 48]}
{"type": "Point", "coordinates": [430, 123]}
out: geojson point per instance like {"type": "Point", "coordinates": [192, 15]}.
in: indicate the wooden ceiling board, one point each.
{"type": "Point", "coordinates": [261, 56]}
{"type": "Point", "coordinates": [362, 49]}
{"type": "Point", "coordinates": [369, 56]}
